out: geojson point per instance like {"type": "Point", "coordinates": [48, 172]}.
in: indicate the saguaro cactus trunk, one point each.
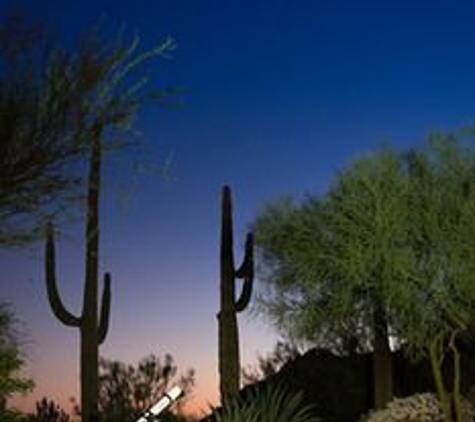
{"type": "Point", "coordinates": [93, 330]}
{"type": "Point", "coordinates": [229, 362]}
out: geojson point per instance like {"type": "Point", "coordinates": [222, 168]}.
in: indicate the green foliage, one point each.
{"type": "Point", "coordinates": [11, 359]}
{"type": "Point", "coordinates": [442, 204]}
{"type": "Point", "coordinates": [442, 180]}
{"type": "Point", "coordinates": [332, 260]}
{"type": "Point", "coordinates": [271, 404]}
{"type": "Point", "coordinates": [13, 416]}
{"type": "Point", "coordinates": [329, 259]}
{"type": "Point", "coordinates": [126, 391]}
{"type": "Point", "coordinates": [390, 245]}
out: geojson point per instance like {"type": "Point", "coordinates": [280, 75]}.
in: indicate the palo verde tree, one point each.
{"type": "Point", "coordinates": [110, 105]}
{"type": "Point", "coordinates": [436, 303]}
{"type": "Point", "coordinates": [229, 362]}
{"type": "Point", "coordinates": [331, 262]}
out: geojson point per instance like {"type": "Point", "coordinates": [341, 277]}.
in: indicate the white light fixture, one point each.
{"type": "Point", "coordinates": [152, 413]}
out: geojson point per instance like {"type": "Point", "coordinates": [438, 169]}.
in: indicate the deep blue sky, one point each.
{"type": "Point", "coordinates": [279, 96]}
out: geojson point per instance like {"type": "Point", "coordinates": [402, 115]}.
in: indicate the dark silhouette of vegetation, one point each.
{"type": "Point", "coordinates": [11, 360]}
{"type": "Point", "coordinates": [110, 107]}
{"type": "Point", "coordinates": [229, 362]}
{"type": "Point", "coordinates": [127, 391]}
{"type": "Point", "coordinates": [270, 364]}
{"type": "Point", "coordinates": [48, 411]}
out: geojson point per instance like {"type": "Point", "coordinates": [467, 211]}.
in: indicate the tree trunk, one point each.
{"type": "Point", "coordinates": [436, 353]}
{"type": "Point", "coordinates": [382, 361]}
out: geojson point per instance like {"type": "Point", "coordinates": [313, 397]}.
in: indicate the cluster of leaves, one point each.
{"type": "Point", "coordinates": [395, 230]}
{"type": "Point", "coordinates": [331, 258]}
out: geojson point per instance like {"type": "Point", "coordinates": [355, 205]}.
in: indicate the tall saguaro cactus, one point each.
{"type": "Point", "coordinates": [93, 330]}
{"type": "Point", "coordinates": [229, 362]}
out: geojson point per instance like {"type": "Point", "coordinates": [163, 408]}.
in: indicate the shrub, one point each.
{"type": "Point", "coordinates": [416, 408]}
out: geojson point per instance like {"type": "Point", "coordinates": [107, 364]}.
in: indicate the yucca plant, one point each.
{"type": "Point", "coordinates": [273, 403]}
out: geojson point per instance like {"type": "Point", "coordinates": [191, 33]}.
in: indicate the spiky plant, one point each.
{"type": "Point", "coordinates": [229, 362]}
{"type": "Point", "coordinates": [274, 403]}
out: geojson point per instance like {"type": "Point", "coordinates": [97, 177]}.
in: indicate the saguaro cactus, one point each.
{"type": "Point", "coordinates": [229, 364]}
{"type": "Point", "coordinates": [93, 330]}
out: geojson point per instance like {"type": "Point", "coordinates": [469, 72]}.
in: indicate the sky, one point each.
{"type": "Point", "coordinates": [279, 95]}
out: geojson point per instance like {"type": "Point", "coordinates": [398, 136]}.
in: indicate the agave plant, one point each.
{"type": "Point", "coordinates": [274, 403]}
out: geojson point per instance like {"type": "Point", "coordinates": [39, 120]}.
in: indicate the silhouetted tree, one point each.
{"type": "Point", "coordinates": [48, 411]}
{"type": "Point", "coordinates": [126, 391]}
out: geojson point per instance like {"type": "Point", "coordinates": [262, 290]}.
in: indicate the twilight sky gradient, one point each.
{"type": "Point", "coordinates": [280, 94]}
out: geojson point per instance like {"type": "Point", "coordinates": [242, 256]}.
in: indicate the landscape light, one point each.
{"type": "Point", "coordinates": [151, 414]}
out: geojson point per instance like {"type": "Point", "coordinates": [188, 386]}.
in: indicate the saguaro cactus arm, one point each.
{"type": "Point", "coordinates": [105, 309]}
{"type": "Point", "coordinates": [54, 298]}
{"type": "Point", "coordinates": [246, 271]}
